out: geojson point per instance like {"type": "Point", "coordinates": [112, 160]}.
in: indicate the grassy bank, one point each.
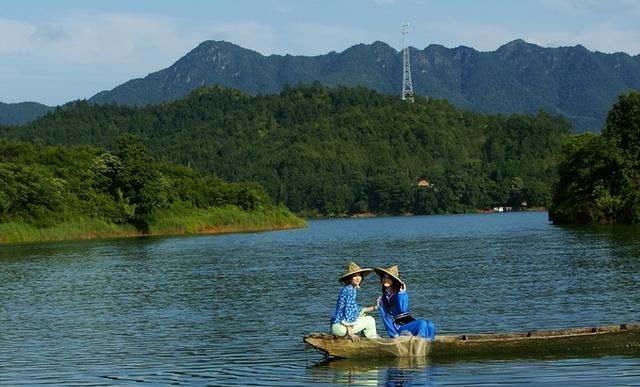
{"type": "Point", "coordinates": [178, 221]}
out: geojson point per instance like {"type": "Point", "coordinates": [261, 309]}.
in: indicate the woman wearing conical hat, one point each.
{"type": "Point", "coordinates": [394, 307]}
{"type": "Point", "coordinates": [349, 319]}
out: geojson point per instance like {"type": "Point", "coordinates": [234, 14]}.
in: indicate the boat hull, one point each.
{"type": "Point", "coordinates": [623, 339]}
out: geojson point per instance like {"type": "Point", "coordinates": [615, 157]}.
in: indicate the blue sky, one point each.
{"type": "Point", "coordinates": [56, 51]}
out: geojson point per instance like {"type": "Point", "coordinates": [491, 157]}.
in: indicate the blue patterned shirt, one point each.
{"type": "Point", "coordinates": [347, 311]}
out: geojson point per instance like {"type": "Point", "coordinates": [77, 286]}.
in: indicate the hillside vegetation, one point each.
{"type": "Point", "coordinates": [56, 192]}
{"type": "Point", "coordinates": [599, 178]}
{"type": "Point", "coordinates": [334, 151]}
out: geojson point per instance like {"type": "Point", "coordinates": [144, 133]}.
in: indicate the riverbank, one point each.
{"type": "Point", "coordinates": [183, 222]}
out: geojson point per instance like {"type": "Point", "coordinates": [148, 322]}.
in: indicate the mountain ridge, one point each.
{"type": "Point", "coordinates": [21, 112]}
{"type": "Point", "coordinates": [517, 77]}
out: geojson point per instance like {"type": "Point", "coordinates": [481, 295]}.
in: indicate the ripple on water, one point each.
{"type": "Point", "coordinates": [232, 309]}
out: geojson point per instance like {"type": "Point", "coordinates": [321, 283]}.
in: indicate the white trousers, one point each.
{"type": "Point", "coordinates": [365, 324]}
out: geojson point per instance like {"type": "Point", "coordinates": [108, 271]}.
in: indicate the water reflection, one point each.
{"type": "Point", "coordinates": [390, 372]}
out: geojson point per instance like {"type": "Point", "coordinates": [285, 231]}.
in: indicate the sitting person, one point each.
{"type": "Point", "coordinates": [348, 318]}
{"type": "Point", "coordinates": [394, 307]}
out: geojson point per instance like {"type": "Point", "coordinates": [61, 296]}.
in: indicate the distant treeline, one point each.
{"type": "Point", "coordinates": [333, 151]}
{"type": "Point", "coordinates": [49, 185]}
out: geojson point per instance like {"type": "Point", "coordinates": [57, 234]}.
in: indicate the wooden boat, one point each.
{"type": "Point", "coordinates": [623, 339]}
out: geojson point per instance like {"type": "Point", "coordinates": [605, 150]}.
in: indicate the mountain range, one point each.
{"type": "Point", "coordinates": [518, 77]}
{"type": "Point", "coordinates": [21, 112]}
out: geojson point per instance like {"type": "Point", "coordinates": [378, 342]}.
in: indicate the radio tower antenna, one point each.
{"type": "Point", "coordinates": [407, 88]}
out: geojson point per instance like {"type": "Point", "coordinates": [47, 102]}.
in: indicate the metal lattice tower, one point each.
{"type": "Point", "coordinates": [407, 88]}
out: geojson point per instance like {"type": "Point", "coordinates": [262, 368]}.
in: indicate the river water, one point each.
{"type": "Point", "coordinates": [231, 310]}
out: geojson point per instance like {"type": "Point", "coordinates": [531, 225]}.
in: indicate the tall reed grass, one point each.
{"type": "Point", "coordinates": [176, 221]}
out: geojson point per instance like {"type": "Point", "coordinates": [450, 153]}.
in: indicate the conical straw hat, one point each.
{"type": "Point", "coordinates": [353, 269]}
{"type": "Point", "coordinates": [392, 271]}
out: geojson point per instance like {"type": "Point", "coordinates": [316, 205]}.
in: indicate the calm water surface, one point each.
{"type": "Point", "coordinates": [231, 310]}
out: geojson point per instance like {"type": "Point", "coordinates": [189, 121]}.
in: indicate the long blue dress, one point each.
{"type": "Point", "coordinates": [398, 303]}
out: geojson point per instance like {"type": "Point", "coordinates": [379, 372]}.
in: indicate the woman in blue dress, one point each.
{"type": "Point", "coordinates": [394, 307]}
{"type": "Point", "coordinates": [349, 319]}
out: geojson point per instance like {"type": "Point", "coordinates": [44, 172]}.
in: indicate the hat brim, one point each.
{"type": "Point", "coordinates": [362, 272]}
{"type": "Point", "coordinates": [381, 272]}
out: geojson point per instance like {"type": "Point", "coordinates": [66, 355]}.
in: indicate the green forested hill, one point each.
{"type": "Point", "coordinates": [335, 151]}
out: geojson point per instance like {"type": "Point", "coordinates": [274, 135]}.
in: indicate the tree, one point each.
{"type": "Point", "coordinates": [600, 176]}
{"type": "Point", "coordinates": [623, 126]}
{"type": "Point", "coordinates": [31, 193]}
{"type": "Point", "coordinates": [138, 182]}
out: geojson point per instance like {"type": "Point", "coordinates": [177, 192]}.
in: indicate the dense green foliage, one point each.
{"type": "Point", "coordinates": [49, 185]}
{"type": "Point", "coordinates": [599, 178]}
{"type": "Point", "coordinates": [324, 151]}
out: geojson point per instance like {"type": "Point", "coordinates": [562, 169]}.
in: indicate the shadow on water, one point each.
{"type": "Point", "coordinates": [621, 240]}
{"type": "Point", "coordinates": [389, 372]}
{"type": "Point", "coordinates": [609, 253]}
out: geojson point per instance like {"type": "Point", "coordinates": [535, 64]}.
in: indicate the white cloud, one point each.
{"type": "Point", "coordinates": [15, 36]}
{"type": "Point", "coordinates": [50, 34]}
{"type": "Point", "coordinates": [83, 53]}
{"type": "Point", "coordinates": [101, 39]}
